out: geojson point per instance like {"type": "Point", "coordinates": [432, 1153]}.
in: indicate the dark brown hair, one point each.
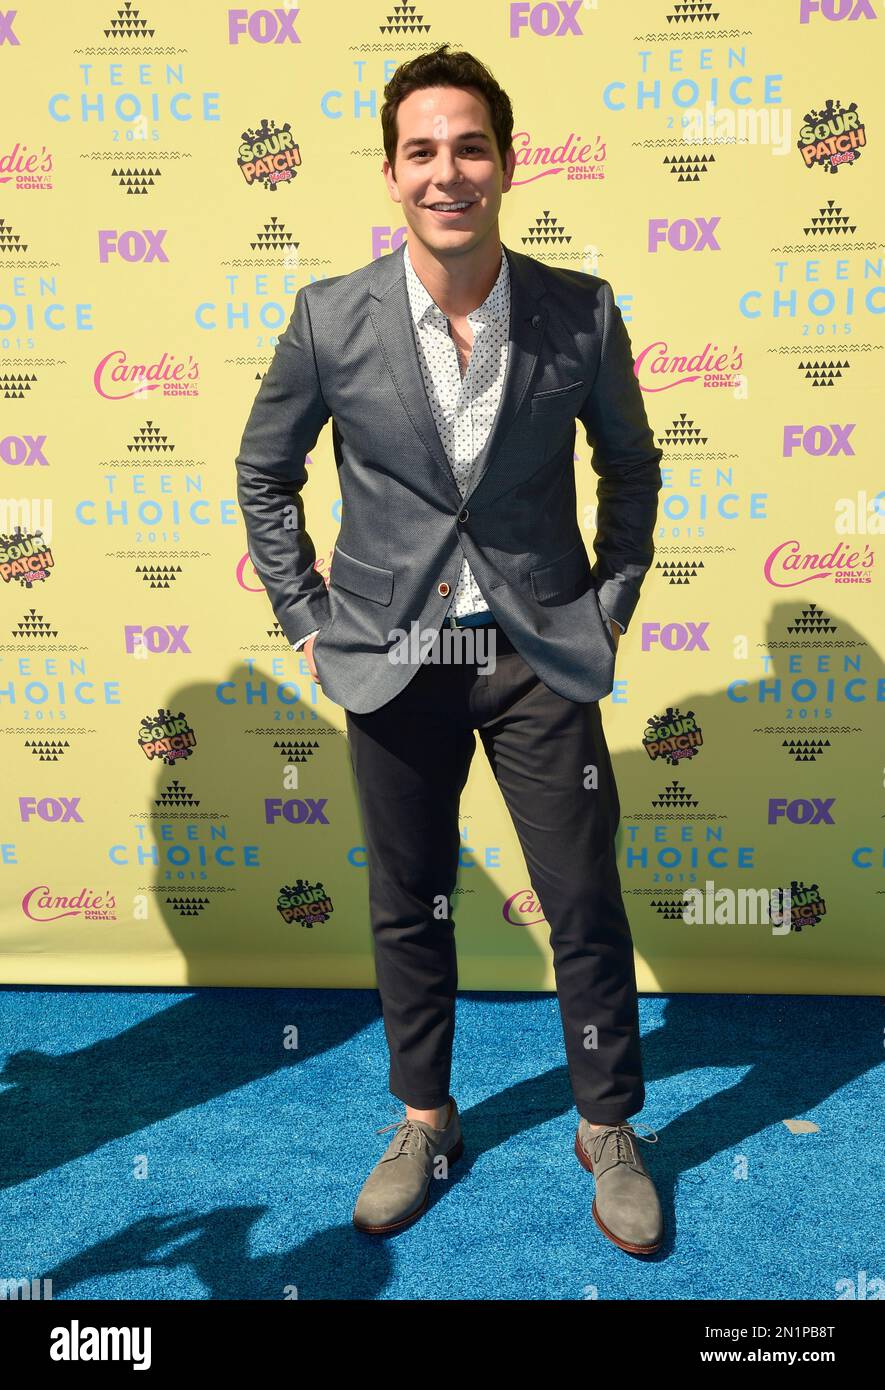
{"type": "Point", "coordinates": [442, 69]}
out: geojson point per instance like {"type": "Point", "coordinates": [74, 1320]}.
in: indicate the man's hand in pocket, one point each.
{"type": "Point", "coordinates": [308, 652]}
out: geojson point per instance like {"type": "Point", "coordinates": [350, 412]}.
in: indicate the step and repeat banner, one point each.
{"type": "Point", "coordinates": [178, 802]}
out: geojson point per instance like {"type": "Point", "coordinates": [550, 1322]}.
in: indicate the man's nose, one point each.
{"type": "Point", "coordinates": [446, 170]}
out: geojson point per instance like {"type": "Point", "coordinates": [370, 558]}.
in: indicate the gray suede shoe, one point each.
{"type": "Point", "coordinates": [398, 1188]}
{"type": "Point", "coordinates": [625, 1206]}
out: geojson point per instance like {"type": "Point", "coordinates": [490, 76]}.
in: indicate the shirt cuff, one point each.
{"type": "Point", "coordinates": [296, 646]}
{"type": "Point", "coordinates": [611, 620]}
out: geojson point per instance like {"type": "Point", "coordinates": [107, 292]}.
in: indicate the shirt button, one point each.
{"type": "Point", "coordinates": [442, 588]}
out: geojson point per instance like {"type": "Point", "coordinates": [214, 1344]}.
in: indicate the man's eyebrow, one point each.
{"type": "Point", "coordinates": [428, 139]}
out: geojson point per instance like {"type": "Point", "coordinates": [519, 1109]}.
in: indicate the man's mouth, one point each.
{"type": "Point", "coordinates": [450, 209]}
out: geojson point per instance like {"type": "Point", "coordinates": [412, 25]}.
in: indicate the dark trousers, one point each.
{"type": "Point", "coordinates": [410, 760]}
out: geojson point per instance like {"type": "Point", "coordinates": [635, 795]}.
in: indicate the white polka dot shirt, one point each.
{"type": "Point", "coordinates": [464, 408]}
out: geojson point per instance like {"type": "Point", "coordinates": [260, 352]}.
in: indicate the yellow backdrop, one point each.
{"type": "Point", "coordinates": [179, 803]}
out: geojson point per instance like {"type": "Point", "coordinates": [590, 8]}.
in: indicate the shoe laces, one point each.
{"type": "Point", "coordinates": [412, 1139]}
{"type": "Point", "coordinates": [618, 1140]}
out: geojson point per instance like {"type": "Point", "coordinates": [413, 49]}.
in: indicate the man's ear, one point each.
{"type": "Point", "coordinates": [509, 168]}
{"type": "Point", "coordinates": [387, 171]}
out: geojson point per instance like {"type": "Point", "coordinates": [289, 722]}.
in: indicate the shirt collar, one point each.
{"type": "Point", "coordinates": [494, 306]}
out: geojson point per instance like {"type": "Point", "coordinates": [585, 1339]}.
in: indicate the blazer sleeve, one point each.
{"type": "Point", "coordinates": [628, 464]}
{"type": "Point", "coordinates": [284, 424]}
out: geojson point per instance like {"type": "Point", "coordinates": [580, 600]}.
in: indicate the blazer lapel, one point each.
{"type": "Point", "coordinates": [392, 317]}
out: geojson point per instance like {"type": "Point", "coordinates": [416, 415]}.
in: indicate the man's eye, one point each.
{"type": "Point", "coordinates": [466, 147]}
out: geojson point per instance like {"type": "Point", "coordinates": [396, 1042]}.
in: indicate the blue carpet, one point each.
{"type": "Point", "coordinates": [187, 1144]}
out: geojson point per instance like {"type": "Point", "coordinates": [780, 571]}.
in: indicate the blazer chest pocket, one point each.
{"type": "Point", "coordinates": [368, 581]}
{"type": "Point", "coordinates": [565, 579]}
{"type": "Point", "coordinates": [561, 399]}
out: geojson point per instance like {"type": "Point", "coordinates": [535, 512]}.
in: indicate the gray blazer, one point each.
{"type": "Point", "coordinates": [349, 352]}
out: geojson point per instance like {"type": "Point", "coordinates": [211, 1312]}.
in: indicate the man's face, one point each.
{"type": "Point", "coordinates": [447, 153]}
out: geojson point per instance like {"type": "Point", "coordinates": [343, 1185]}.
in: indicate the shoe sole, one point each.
{"type": "Point", "coordinates": [451, 1157]}
{"type": "Point", "coordinates": [586, 1162]}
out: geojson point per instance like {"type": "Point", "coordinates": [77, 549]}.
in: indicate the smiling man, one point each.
{"type": "Point", "coordinates": [454, 370]}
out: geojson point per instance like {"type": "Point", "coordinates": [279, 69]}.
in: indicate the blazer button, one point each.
{"type": "Point", "coordinates": [442, 588]}
{"type": "Point", "coordinates": [536, 321]}
{"type": "Point", "coordinates": [464, 515]}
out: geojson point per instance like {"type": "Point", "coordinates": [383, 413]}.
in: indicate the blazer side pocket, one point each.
{"type": "Point", "coordinates": [564, 579]}
{"type": "Point", "coordinates": [357, 577]}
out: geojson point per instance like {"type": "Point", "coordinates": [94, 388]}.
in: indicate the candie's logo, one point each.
{"type": "Point", "coordinates": [523, 908]}
{"type": "Point", "coordinates": [27, 171]}
{"type": "Point", "coordinates": [672, 737]}
{"type": "Point", "coordinates": [166, 736]}
{"type": "Point", "coordinates": [659, 369]}
{"type": "Point", "coordinates": [269, 155]}
{"type": "Point", "coordinates": [117, 379]}
{"type": "Point", "coordinates": [575, 158]}
{"type": "Point", "coordinates": [40, 905]}
{"type": "Point", "coordinates": [789, 565]}
{"type": "Point", "coordinates": [831, 137]}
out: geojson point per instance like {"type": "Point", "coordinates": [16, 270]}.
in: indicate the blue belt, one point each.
{"type": "Point", "coordinates": [483, 619]}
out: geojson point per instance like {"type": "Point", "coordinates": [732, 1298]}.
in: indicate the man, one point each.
{"type": "Point", "coordinates": [453, 371]}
